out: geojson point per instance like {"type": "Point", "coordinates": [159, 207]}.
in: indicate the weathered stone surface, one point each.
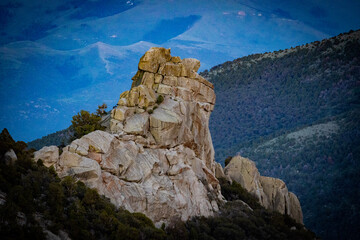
{"type": "Point", "coordinates": [122, 112]}
{"type": "Point", "coordinates": [116, 126]}
{"type": "Point", "coordinates": [165, 89]}
{"type": "Point", "coordinates": [219, 171]}
{"type": "Point", "coordinates": [160, 158]}
{"type": "Point", "coordinates": [170, 81]}
{"type": "Point", "coordinates": [146, 96]}
{"type": "Point", "coordinates": [153, 58]}
{"type": "Point", "coordinates": [49, 155]}
{"type": "Point", "coordinates": [137, 124]}
{"type": "Point", "coordinates": [281, 199]}
{"type": "Point", "coordinates": [10, 157]}
{"type": "Point", "coordinates": [244, 171]}
{"type": "Point", "coordinates": [148, 79]}
{"type": "Point", "coordinates": [191, 66]}
{"type": "Point", "coordinates": [164, 126]}
{"type": "Point", "coordinates": [171, 69]}
{"type": "Point", "coordinates": [158, 78]}
{"type": "Point", "coordinates": [272, 193]}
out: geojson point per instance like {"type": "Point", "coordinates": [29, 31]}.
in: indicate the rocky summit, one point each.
{"type": "Point", "coordinates": [156, 155]}
{"type": "Point", "coordinates": [271, 193]}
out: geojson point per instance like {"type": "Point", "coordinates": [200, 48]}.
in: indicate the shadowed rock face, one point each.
{"type": "Point", "coordinates": [272, 193]}
{"type": "Point", "coordinates": [156, 156]}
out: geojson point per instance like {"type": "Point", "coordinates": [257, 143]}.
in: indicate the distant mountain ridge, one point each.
{"type": "Point", "coordinates": [296, 113]}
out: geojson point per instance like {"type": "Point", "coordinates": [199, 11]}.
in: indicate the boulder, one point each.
{"type": "Point", "coordinates": [49, 155]}
{"type": "Point", "coordinates": [191, 66]}
{"type": "Point", "coordinates": [281, 199]}
{"type": "Point", "coordinates": [151, 60]}
{"type": "Point", "coordinates": [244, 172]}
{"type": "Point", "coordinates": [10, 157]}
{"type": "Point", "coordinates": [137, 124]}
{"type": "Point", "coordinates": [272, 193]}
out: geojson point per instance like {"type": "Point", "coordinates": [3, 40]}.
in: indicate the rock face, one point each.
{"type": "Point", "coordinates": [49, 155]}
{"type": "Point", "coordinates": [272, 193]}
{"type": "Point", "coordinates": [156, 156]}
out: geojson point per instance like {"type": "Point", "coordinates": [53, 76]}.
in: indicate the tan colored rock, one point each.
{"type": "Point", "coordinates": [137, 124]}
{"type": "Point", "coordinates": [175, 59]}
{"type": "Point", "coordinates": [219, 171]}
{"type": "Point", "coordinates": [158, 78]}
{"type": "Point", "coordinates": [98, 141]}
{"type": "Point", "coordinates": [189, 83]}
{"type": "Point", "coordinates": [206, 94]}
{"type": "Point", "coordinates": [151, 60]}
{"type": "Point", "coordinates": [272, 193]}
{"type": "Point", "coordinates": [203, 81]}
{"type": "Point", "coordinates": [124, 94]}
{"type": "Point", "coordinates": [122, 112]}
{"type": "Point", "coordinates": [164, 126]}
{"type": "Point", "coordinates": [244, 171]}
{"type": "Point", "coordinates": [183, 93]}
{"type": "Point", "coordinates": [148, 79]}
{"type": "Point", "coordinates": [133, 97]}
{"type": "Point", "coordinates": [170, 81]}
{"type": "Point", "coordinates": [49, 155]}
{"type": "Point", "coordinates": [191, 66]}
{"type": "Point", "coordinates": [116, 126]}
{"type": "Point", "coordinates": [122, 102]}
{"type": "Point", "coordinates": [164, 89]}
{"type": "Point", "coordinates": [171, 69]}
{"type": "Point", "coordinates": [295, 208]}
{"type": "Point", "coordinates": [281, 199]}
{"type": "Point", "coordinates": [146, 96]}
{"type": "Point", "coordinates": [160, 159]}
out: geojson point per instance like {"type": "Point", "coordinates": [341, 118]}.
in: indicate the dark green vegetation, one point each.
{"type": "Point", "coordinates": [35, 201]}
{"type": "Point", "coordinates": [236, 220]}
{"type": "Point", "coordinates": [296, 113]}
{"type": "Point", "coordinates": [58, 138]}
{"type": "Point", "coordinates": [84, 123]}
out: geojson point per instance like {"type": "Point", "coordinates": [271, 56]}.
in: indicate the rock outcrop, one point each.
{"type": "Point", "coordinates": [156, 156]}
{"type": "Point", "coordinates": [10, 157]}
{"type": "Point", "coordinates": [272, 193]}
{"type": "Point", "coordinates": [49, 155]}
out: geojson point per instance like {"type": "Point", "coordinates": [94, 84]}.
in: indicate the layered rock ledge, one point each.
{"type": "Point", "coordinates": [156, 155]}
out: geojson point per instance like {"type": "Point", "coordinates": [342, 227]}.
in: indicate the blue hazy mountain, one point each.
{"type": "Point", "coordinates": [57, 57]}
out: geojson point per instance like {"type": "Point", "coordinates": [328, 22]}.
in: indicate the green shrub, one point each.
{"type": "Point", "coordinates": [84, 123]}
{"type": "Point", "coordinates": [160, 99]}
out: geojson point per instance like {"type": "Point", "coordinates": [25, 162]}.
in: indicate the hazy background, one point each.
{"type": "Point", "coordinates": [58, 57]}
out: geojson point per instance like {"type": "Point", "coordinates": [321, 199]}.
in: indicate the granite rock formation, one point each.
{"type": "Point", "coordinates": [156, 155]}
{"type": "Point", "coordinates": [272, 193]}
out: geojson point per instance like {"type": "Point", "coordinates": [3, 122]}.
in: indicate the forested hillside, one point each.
{"type": "Point", "coordinates": [296, 114]}
{"type": "Point", "coordinates": [58, 138]}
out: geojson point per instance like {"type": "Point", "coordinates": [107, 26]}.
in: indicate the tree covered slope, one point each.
{"type": "Point", "coordinates": [296, 114]}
